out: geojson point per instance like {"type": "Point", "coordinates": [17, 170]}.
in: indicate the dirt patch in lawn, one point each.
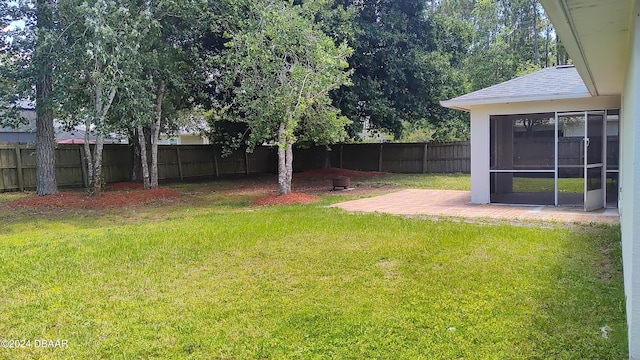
{"type": "Point", "coordinates": [111, 198]}
{"type": "Point", "coordinates": [607, 270]}
{"type": "Point", "coordinates": [288, 199]}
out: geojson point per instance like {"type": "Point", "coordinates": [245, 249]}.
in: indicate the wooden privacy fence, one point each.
{"type": "Point", "coordinates": [188, 162]}
{"type": "Point", "coordinates": [175, 162]}
{"type": "Point", "coordinates": [411, 158]}
{"type": "Point", "coordinates": [18, 166]}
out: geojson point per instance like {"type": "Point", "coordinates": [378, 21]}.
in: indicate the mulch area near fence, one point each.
{"type": "Point", "coordinates": [198, 162]}
{"type": "Point", "coordinates": [132, 195]}
{"type": "Point", "coordinates": [306, 185]}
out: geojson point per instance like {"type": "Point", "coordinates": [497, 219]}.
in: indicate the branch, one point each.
{"type": "Point", "coordinates": [322, 92]}
{"type": "Point", "coordinates": [112, 95]}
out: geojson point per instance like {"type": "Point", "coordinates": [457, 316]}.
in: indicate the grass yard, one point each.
{"type": "Point", "coordinates": [211, 278]}
{"type": "Point", "coordinates": [419, 181]}
{"type": "Point", "coordinates": [534, 185]}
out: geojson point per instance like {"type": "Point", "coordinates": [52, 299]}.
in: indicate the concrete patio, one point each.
{"type": "Point", "coordinates": [450, 203]}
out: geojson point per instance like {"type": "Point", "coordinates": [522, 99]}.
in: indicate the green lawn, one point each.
{"type": "Point", "coordinates": [220, 280]}
{"type": "Point", "coordinates": [420, 181]}
{"type": "Point", "coordinates": [539, 185]}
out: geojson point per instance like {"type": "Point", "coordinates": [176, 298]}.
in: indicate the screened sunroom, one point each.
{"type": "Point", "coordinates": [560, 158]}
{"type": "Point", "coordinates": [542, 139]}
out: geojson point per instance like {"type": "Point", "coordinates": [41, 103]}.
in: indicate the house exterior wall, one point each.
{"type": "Point", "coordinates": [185, 139]}
{"type": "Point", "coordinates": [192, 140]}
{"type": "Point", "coordinates": [480, 152]}
{"type": "Point", "coordinates": [630, 186]}
{"type": "Point", "coordinates": [480, 139]}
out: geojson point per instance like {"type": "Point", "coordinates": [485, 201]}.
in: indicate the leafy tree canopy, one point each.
{"type": "Point", "coordinates": [280, 68]}
{"type": "Point", "coordinates": [404, 64]}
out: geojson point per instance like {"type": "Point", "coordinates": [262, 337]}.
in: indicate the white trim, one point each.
{"type": "Point", "coordinates": [462, 104]}
{"type": "Point", "coordinates": [556, 13]}
{"type": "Point", "coordinates": [521, 171]}
{"type": "Point", "coordinates": [578, 42]}
{"type": "Point", "coordinates": [605, 140]}
{"type": "Point", "coordinates": [555, 161]}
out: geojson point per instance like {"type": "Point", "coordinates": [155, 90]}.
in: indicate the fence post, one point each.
{"type": "Point", "coordinates": [19, 168]}
{"type": "Point", "coordinates": [215, 161]}
{"type": "Point", "coordinates": [424, 159]}
{"type": "Point", "coordinates": [380, 159]}
{"type": "Point", "coordinates": [341, 152]}
{"type": "Point", "coordinates": [83, 168]}
{"type": "Point", "coordinates": [246, 162]}
{"type": "Point", "coordinates": [179, 162]}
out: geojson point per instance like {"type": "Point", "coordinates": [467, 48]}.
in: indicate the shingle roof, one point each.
{"type": "Point", "coordinates": [562, 82]}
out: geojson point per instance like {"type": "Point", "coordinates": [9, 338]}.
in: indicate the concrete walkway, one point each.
{"type": "Point", "coordinates": [458, 204]}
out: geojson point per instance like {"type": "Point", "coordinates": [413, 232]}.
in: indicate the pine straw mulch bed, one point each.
{"type": "Point", "coordinates": [317, 181]}
{"type": "Point", "coordinates": [116, 195]}
{"type": "Point", "coordinates": [124, 194]}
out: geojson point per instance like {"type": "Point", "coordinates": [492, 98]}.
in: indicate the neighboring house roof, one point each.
{"type": "Point", "coordinates": [23, 133]}
{"type": "Point", "coordinates": [29, 124]}
{"type": "Point", "coordinates": [73, 136]}
{"type": "Point", "coordinates": [76, 136]}
{"type": "Point", "coordinates": [17, 137]}
{"type": "Point", "coordinates": [562, 82]}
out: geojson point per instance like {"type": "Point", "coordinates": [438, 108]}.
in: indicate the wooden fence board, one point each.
{"type": "Point", "coordinates": [183, 162]}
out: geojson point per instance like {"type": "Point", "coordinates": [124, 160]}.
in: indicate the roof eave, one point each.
{"type": "Point", "coordinates": [558, 13]}
{"type": "Point", "coordinates": [466, 106]}
{"type": "Point", "coordinates": [451, 105]}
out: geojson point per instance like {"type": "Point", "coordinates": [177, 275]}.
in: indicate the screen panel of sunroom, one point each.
{"type": "Point", "coordinates": [538, 161]}
{"type": "Point", "coordinates": [571, 132]}
{"type": "Point", "coordinates": [523, 159]}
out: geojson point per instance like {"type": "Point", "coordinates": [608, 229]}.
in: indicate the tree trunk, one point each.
{"type": "Point", "coordinates": [285, 161]}
{"type": "Point", "coordinates": [289, 163]}
{"type": "Point", "coordinates": [97, 164]}
{"type": "Point", "coordinates": [546, 48]}
{"type": "Point", "coordinates": [134, 147]}
{"type": "Point", "coordinates": [94, 163]}
{"type": "Point", "coordinates": [144, 164]}
{"type": "Point", "coordinates": [536, 51]}
{"type": "Point", "coordinates": [559, 52]}
{"type": "Point", "coordinates": [155, 134]}
{"type": "Point", "coordinates": [45, 134]}
{"type": "Point", "coordinates": [88, 155]}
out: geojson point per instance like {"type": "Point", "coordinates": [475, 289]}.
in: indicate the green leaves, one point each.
{"type": "Point", "coordinates": [399, 77]}
{"type": "Point", "coordinates": [280, 69]}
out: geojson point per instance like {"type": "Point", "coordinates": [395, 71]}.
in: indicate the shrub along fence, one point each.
{"type": "Point", "coordinates": [190, 162]}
